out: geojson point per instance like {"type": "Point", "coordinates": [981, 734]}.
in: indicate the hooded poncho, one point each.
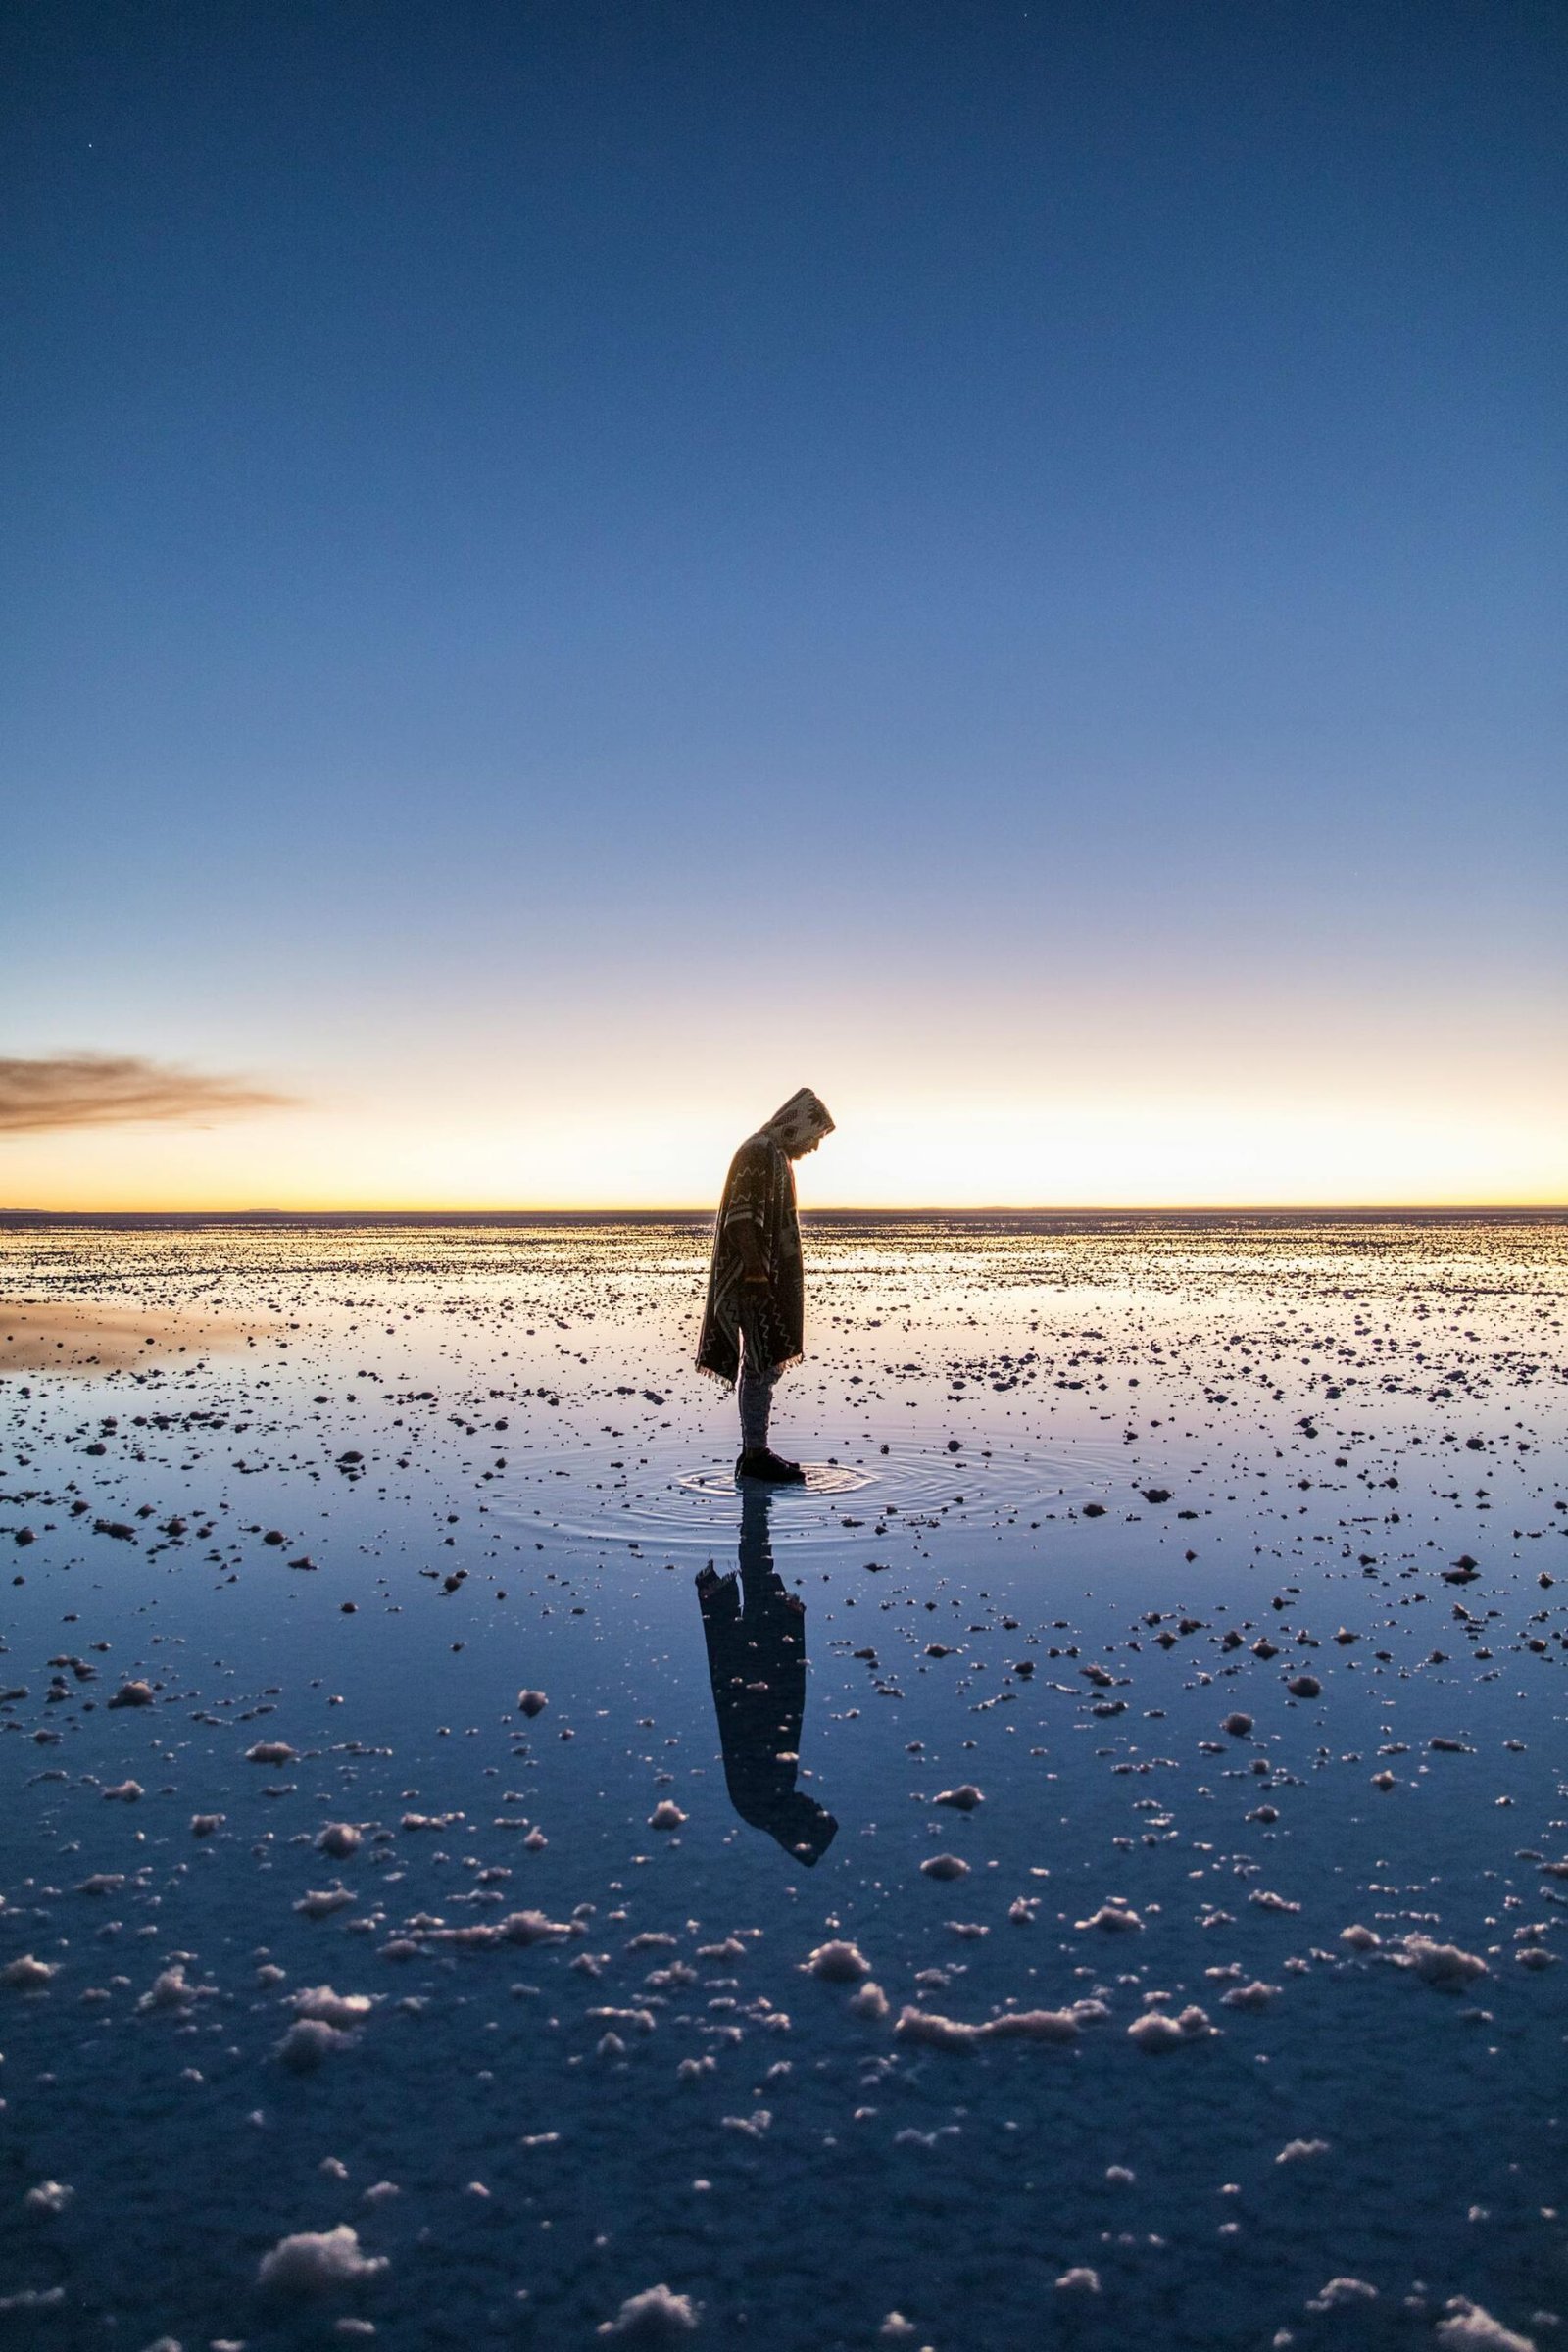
{"type": "Point", "coordinates": [759, 1191]}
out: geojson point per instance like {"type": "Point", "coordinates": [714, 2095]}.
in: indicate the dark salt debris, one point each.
{"type": "Point", "coordinates": [468, 1880]}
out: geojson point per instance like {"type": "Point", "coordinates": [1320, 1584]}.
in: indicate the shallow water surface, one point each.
{"type": "Point", "coordinates": [1089, 1868]}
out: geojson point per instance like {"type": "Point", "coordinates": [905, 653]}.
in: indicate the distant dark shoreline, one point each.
{"type": "Point", "coordinates": [1015, 1219]}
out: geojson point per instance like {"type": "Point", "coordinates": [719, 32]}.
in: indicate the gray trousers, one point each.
{"type": "Point", "coordinates": [755, 1388]}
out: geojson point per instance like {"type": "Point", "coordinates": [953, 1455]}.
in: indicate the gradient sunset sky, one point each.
{"type": "Point", "coordinates": [570, 569]}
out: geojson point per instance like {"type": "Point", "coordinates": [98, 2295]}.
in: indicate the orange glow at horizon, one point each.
{"type": "Point", "coordinates": [942, 1153]}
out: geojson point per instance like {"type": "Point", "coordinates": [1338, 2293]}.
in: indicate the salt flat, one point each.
{"type": "Point", "coordinates": [1090, 1870]}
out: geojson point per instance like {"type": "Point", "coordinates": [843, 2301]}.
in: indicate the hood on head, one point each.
{"type": "Point", "coordinates": [801, 1118]}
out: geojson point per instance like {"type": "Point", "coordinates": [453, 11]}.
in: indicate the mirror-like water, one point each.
{"type": "Point", "coordinates": [1089, 1868]}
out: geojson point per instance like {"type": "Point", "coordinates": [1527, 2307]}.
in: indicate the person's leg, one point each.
{"type": "Point", "coordinates": [755, 1400]}
{"type": "Point", "coordinates": [756, 1394]}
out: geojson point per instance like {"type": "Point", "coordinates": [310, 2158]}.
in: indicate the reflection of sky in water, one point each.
{"type": "Point", "coordinates": [1000, 1604]}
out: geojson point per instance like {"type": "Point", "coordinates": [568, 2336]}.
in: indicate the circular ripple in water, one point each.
{"type": "Point", "coordinates": [821, 1478]}
{"type": "Point", "coordinates": [674, 1504]}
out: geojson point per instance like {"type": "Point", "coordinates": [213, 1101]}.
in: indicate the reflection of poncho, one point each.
{"type": "Point", "coordinates": [760, 1190]}
{"type": "Point", "coordinates": [757, 1663]}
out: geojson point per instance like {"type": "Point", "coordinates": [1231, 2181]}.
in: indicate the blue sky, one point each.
{"type": "Point", "coordinates": [997, 560]}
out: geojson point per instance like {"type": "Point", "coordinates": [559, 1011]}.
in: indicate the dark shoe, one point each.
{"type": "Point", "coordinates": [769, 1467]}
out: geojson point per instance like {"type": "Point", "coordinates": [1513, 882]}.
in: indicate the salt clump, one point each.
{"type": "Point", "coordinates": [309, 2042]}
{"type": "Point", "coordinates": [1339, 2292]}
{"type": "Point", "coordinates": [655, 2317]}
{"type": "Point", "coordinates": [665, 1816]}
{"type": "Point", "coordinates": [320, 1902]}
{"type": "Point", "coordinates": [533, 1926]}
{"type": "Point", "coordinates": [945, 1866]}
{"type": "Point", "coordinates": [317, 2262]}
{"type": "Point", "coordinates": [28, 1975]}
{"type": "Point", "coordinates": [1080, 2280]}
{"type": "Point", "coordinates": [1256, 1995]}
{"type": "Point", "coordinates": [1444, 1965]}
{"type": "Point", "coordinates": [1470, 2328]}
{"type": "Point", "coordinates": [1032, 2025]}
{"type": "Point", "coordinates": [270, 1751]}
{"type": "Point", "coordinates": [50, 2197]}
{"type": "Point", "coordinates": [1115, 1914]}
{"type": "Point", "coordinates": [339, 1839]}
{"type": "Point", "coordinates": [1154, 2032]}
{"type": "Point", "coordinates": [641, 2021]}
{"type": "Point", "coordinates": [962, 1800]}
{"type": "Point", "coordinates": [342, 2009]}
{"type": "Point", "coordinates": [837, 1963]}
{"type": "Point", "coordinates": [172, 1989]}
{"type": "Point", "coordinates": [531, 1703]}
{"type": "Point", "coordinates": [518, 1926]}
{"type": "Point", "coordinates": [940, 2033]}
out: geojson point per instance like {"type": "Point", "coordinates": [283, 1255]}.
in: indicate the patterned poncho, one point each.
{"type": "Point", "coordinates": [760, 1190]}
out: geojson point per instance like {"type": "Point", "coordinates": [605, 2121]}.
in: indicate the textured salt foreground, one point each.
{"type": "Point", "coordinates": [1090, 1871]}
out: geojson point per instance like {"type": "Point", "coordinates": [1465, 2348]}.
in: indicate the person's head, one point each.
{"type": "Point", "coordinates": [801, 1124]}
{"type": "Point", "coordinates": [803, 1828]}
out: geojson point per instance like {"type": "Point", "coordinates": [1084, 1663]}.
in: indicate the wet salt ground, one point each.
{"type": "Point", "coordinates": [593, 2062]}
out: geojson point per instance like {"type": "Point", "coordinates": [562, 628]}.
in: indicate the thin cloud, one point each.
{"type": "Point", "coordinates": [104, 1090]}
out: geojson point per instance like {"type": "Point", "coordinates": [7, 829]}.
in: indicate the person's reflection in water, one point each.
{"type": "Point", "coordinates": [756, 1632]}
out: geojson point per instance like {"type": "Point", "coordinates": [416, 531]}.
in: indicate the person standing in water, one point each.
{"type": "Point", "coordinates": [753, 1324]}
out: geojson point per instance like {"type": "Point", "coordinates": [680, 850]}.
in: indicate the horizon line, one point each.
{"type": "Point", "coordinates": [1219, 1209]}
